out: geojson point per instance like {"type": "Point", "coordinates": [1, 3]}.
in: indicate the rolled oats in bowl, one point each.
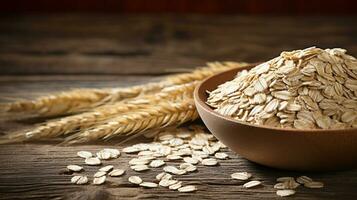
{"type": "Point", "coordinates": [303, 89]}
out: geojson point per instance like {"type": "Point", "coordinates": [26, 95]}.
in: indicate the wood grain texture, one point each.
{"type": "Point", "coordinates": [122, 44]}
{"type": "Point", "coordinates": [49, 54]}
{"type": "Point", "coordinates": [34, 171]}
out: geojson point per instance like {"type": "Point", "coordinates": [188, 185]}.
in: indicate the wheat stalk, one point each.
{"type": "Point", "coordinates": [78, 100]}
{"type": "Point", "coordinates": [164, 114]}
{"type": "Point", "coordinates": [81, 99]}
{"type": "Point", "coordinates": [85, 120]}
{"type": "Point", "coordinates": [146, 104]}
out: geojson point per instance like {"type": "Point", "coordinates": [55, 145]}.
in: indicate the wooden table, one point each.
{"type": "Point", "coordinates": [40, 54]}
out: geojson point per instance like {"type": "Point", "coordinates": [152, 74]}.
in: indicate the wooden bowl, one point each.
{"type": "Point", "coordinates": [290, 149]}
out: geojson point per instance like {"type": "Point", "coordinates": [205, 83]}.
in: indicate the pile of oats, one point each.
{"type": "Point", "coordinates": [303, 89]}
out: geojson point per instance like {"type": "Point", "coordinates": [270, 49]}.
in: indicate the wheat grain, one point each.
{"type": "Point", "coordinates": [156, 116]}
{"type": "Point", "coordinates": [85, 120]}
{"type": "Point", "coordinates": [79, 99]}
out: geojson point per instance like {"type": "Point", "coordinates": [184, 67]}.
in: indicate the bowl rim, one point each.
{"type": "Point", "coordinates": [208, 109]}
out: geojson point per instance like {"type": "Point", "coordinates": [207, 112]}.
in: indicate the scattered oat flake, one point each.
{"type": "Point", "coordinates": [188, 167]}
{"type": "Point", "coordinates": [148, 184]}
{"type": "Point", "coordinates": [74, 168]}
{"type": "Point", "coordinates": [130, 150]}
{"type": "Point", "coordinates": [103, 155]}
{"type": "Point", "coordinates": [285, 193]}
{"type": "Point", "coordinates": [209, 162]}
{"type": "Point", "coordinates": [176, 186]}
{"type": "Point", "coordinates": [135, 180]}
{"type": "Point", "coordinates": [221, 156]}
{"type": "Point", "coordinates": [251, 184]}
{"type": "Point", "coordinates": [116, 172]}
{"type": "Point", "coordinates": [167, 182]}
{"type": "Point", "coordinates": [173, 157]}
{"type": "Point", "coordinates": [114, 153]}
{"type": "Point", "coordinates": [174, 170]}
{"type": "Point", "coordinates": [157, 163]}
{"type": "Point", "coordinates": [106, 168]}
{"type": "Point", "coordinates": [84, 154]}
{"type": "Point", "coordinates": [139, 161]}
{"type": "Point", "coordinates": [99, 180]}
{"type": "Point", "coordinates": [93, 161]}
{"type": "Point", "coordinates": [187, 188]}
{"type": "Point", "coordinates": [303, 179]}
{"type": "Point", "coordinates": [159, 176]}
{"type": "Point", "coordinates": [99, 174]}
{"type": "Point", "coordinates": [139, 168]}
{"type": "Point", "coordinates": [241, 175]}
{"type": "Point", "coordinates": [190, 160]}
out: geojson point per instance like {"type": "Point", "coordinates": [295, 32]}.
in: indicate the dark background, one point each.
{"type": "Point", "coordinates": [155, 37]}
{"type": "Point", "coordinates": [278, 7]}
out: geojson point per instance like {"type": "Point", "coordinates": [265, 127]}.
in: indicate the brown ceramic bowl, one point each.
{"type": "Point", "coordinates": [276, 147]}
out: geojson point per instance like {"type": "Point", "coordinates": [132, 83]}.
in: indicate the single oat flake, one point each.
{"type": "Point", "coordinates": [187, 188]}
{"type": "Point", "coordinates": [135, 180]}
{"type": "Point", "coordinates": [241, 175]}
{"type": "Point", "coordinates": [84, 154]}
{"type": "Point", "coordinates": [93, 161]}
{"type": "Point", "coordinates": [285, 193]}
{"type": "Point", "coordinates": [106, 168]}
{"type": "Point", "coordinates": [99, 180]}
{"type": "Point", "coordinates": [251, 184]}
{"type": "Point", "coordinates": [148, 184]}
{"type": "Point", "coordinates": [74, 168]}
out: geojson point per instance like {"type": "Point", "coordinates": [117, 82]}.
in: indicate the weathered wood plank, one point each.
{"type": "Point", "coordinates": [34, 172]}
{"type": "Point", "coordinates": [117, 44]}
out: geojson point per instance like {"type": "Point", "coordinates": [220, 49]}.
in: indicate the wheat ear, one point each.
{"type": "Point", "coordinates": [79, 99]}
{"type": "Point", "coordinates": [164, 114]}
{"type": "Point", "coordinates": [85, 120]}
